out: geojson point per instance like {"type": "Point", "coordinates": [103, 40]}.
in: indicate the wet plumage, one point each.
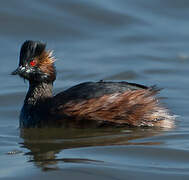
{"type": "Point", "coordinates": [89, 104]}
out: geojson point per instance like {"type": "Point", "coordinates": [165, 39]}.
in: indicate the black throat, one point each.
{"type": "Point", "coordinates": [37, 103]}
{"type": "Point", "coordinates": [38, 91]}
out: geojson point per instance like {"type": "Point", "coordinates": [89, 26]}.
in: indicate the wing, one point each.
{"type": "Point", "coordinates": [123, 103]}
{"type": "Point", "coordinates": [90, 90]}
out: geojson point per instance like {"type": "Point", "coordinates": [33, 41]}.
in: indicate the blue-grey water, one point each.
{"type": "Point", "coordinates": [142, 41]}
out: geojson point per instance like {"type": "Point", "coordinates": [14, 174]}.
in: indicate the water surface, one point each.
{"type": "Point", "coordinates": [135, 40]}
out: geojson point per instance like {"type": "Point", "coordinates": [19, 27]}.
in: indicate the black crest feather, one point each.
{"type": "Point", "coordinates": [31, 49]}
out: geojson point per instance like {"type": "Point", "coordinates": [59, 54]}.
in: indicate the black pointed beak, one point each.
{"type": "Point", "coordinates": [19, 70]}
{"type": "Point", "coordinates": [15, 72]}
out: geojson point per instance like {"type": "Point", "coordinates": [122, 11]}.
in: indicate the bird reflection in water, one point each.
{"type": "Point", "coordinates": [45, 145]}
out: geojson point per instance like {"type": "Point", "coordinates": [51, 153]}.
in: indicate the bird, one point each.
{"type": "Point", "coordinates": [85, 105]}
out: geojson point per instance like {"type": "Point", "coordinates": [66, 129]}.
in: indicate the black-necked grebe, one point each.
{"type": "Point", "coordinates": [88, 104]}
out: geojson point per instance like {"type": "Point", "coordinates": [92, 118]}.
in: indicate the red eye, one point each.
{"type": "Point", "coordinates": [33, 63]}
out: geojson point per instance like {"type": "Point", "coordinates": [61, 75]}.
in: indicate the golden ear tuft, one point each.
{"type": "Point", "coordinates": [46, 64]}
{"type": "Point", "coordinates": [46, 58]}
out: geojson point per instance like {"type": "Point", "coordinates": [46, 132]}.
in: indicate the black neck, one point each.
{"type": "Point", "coordinates": [38, 91]}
